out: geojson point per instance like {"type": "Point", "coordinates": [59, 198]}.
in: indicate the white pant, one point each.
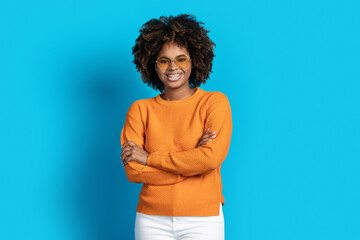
{"type": "Point", "coordinates": [151, 227]}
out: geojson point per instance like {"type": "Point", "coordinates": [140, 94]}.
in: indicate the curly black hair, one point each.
{"type": "Point", "coordinates": [186, 31]}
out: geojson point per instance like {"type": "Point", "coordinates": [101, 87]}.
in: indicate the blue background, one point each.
{"type": "Point", "coordinates": [289, 68]}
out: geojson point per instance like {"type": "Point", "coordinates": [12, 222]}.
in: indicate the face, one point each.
{"type": "Point", "coordinates": [174, 77]}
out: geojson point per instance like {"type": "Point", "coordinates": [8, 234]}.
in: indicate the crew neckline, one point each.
{"type": "Point", "coordinates": [162, 101]}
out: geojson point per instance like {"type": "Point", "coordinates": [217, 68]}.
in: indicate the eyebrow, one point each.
{"type": "Point", "coordinates": [176, 56]}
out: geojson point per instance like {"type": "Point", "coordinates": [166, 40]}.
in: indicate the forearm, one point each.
{"type": "Point", "coordinates": [192, 162]}
{"type": "Point", "coordinates": [139, 173]}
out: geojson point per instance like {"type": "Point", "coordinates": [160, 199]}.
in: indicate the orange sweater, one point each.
{"type": "Point", "coordinates": [179, 179]}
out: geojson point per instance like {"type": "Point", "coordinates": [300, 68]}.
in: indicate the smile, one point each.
{"type": "Point", "coordinates": [174, 77]}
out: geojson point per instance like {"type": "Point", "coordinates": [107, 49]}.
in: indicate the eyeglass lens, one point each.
{"type": "Point", "coordinates": [165, 62]}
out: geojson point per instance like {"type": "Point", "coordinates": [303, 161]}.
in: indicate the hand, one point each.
{"type": "Point", "coordinates": [206, 137]}
{"type": "Point", "coordinates": [131, 151]}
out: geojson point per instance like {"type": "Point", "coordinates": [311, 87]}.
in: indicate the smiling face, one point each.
{"type": "Point", "coordinates": [174, 77]}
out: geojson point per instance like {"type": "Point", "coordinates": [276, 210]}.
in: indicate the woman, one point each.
{"type": "Point", "coordinates": [175, 142]}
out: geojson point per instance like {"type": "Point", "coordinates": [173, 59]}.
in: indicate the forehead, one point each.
{"type": "Point", "coordinates": [172, 49]}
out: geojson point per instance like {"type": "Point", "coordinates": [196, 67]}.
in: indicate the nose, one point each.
{"type": "Point", "coordinates": [173, 65]}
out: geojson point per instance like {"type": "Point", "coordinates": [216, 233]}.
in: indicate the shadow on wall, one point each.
{"type": "Point", "coordinates": [103, 201]}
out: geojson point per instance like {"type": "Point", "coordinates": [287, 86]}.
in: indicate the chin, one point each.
{"type": "Point", "coordinates": [175, 84]}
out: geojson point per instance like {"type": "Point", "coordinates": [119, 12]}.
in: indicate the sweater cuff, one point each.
{"type": "Point", "coordinates": [153, 160]}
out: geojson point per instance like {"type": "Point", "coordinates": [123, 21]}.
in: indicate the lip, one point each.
{"type": "Point", "coordinates": [173, 79]}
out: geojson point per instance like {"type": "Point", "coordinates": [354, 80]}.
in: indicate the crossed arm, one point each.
{"type": "Point", "coordinates": [168, 167]}
{"type": "Point", "coordinates": [134, 158]}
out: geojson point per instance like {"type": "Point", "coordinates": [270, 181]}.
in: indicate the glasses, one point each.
{"type": "Point", "coordinates": [182, 61]}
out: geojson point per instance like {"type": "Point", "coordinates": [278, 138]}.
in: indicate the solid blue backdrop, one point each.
{"type": "Point", "coordinates": [289, 68]}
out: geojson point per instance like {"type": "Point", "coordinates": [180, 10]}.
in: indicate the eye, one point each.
{"type": "Point", "coordinates": [163, 61]}
{"type": "Point", "coordinates": [182, 59]}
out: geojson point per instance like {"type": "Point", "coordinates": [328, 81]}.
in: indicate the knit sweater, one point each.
{"type": "Point", "coordinates": [179, 179]}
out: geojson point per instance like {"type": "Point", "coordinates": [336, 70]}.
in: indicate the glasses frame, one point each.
{"type": "Point", "coordinates": [172, 60]}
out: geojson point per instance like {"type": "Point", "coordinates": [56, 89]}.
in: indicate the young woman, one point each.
{"type": "Point", "coordinates": [175, 143]}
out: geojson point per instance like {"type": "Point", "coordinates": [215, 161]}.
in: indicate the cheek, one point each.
{"type": "Point", "coordinates": [188, 72]}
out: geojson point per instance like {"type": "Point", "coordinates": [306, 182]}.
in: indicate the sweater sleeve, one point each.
{"type": "Point", "coordinates": [136, 172]}
{"type": "Point", "coordinates": [206, 158]}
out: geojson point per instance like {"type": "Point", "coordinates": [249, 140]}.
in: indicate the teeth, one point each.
{"type": "Point", "coordinates": [174, 75]}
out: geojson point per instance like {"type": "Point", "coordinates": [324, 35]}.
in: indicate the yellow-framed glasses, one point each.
{"type": "Point", "coordinates": [182, 61]}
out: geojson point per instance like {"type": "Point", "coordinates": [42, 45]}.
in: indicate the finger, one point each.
{"type": "Point", "coordinates": [208, 138]}
{"type": "Point", "coordinates": [128, 159]}
{"type": "Point", "coordinates": [207, 135]}
{"type": "Point", "coordinates": [207, 130]}
{"type": "Point", "coordinates": [122, 161]}
{"type": "Point", "coordinates": [125, 143]}
{"type": "Point", "coordinates": [210, 135]}
{"type": "Point", "coordinates": [123, 158]}
{"type": "Point", "coordinates": [132, 144]}
{"type": "Point", "coordinates": [202, 142]}
{"type": "Point", "coordinates": [126, 150]}
{"type": "Point", "coordinates": [125, 155]}
{"type": "Point", "coordinates": [204, 137]}
{"type": "Point", "coordinates": [129, 143]}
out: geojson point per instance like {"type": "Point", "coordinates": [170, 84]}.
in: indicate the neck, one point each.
{"type": "Point", "coordinates": [177, 94]}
